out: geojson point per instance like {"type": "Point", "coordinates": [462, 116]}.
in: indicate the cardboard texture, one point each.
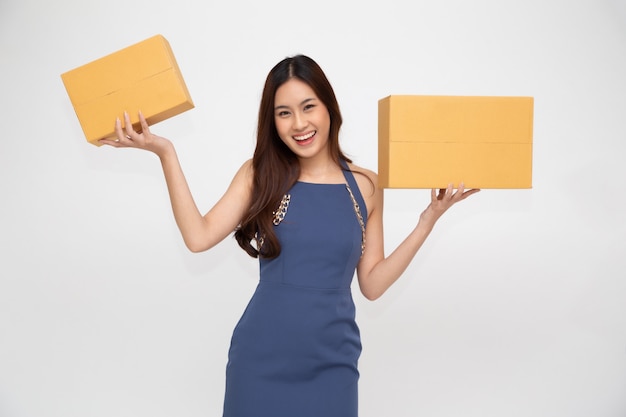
{"type": "Point", "coordinates": [432, 141]}
{"type": "Point", "coordinates": [143, 76]}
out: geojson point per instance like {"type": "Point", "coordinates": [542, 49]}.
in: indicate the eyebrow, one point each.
{"type": "Point", "coordinates": [302, 103]}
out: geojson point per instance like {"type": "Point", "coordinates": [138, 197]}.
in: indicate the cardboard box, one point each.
{"type": "Point", "coordinates": [431, 141]}
{"type": "Point", "coordinates": [144, 76]}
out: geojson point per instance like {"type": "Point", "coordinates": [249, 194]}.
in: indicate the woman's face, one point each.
{"type": "Point", "coordinates": [302, 120]}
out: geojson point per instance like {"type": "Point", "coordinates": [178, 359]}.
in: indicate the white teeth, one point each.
{"type": "Point", "coordinates": [305, 137]}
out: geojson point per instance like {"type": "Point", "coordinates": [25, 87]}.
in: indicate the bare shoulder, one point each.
{"type": "Point", "coordinates": [246, 167]}
{"type": "Point", "coordinates": [245, 172]}
{"type": "Point", "coordinates": [367, 180]}
{"type": "Point", "coordinates": [242, 181]}
{"type": "Point", "coordinates": [368, 185]}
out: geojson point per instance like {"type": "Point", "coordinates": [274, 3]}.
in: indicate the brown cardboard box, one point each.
{"type": "Point", "coordinates": [143, 76]}
{"type": "Point", "coordinates": [432, 141]}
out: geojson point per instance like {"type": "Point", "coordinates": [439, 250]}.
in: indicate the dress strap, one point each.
{"type": "Point", "coordinates": [356, 192]}
{"type": "Point", "coordinates": [362, 219]}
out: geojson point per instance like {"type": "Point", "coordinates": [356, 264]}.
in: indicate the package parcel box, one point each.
{"type": "Point", "coordinates": [144, 76]}
{"type": "Point", "coordinates": [431, 141]}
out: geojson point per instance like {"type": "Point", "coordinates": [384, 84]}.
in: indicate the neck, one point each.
{"type": "Point", "coordinates": [322, 171]}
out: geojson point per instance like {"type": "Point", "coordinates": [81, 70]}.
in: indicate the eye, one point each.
{"type": "Point", "coordinates": [308, 107]}
{"type": "Point", "coordinates": [282, 113]}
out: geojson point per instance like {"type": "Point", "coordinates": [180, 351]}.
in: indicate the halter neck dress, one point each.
{"type": "Point", "coordinates": [294, 352]}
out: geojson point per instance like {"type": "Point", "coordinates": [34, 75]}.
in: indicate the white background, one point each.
{"type": "Point", "coordinates": [516, 306]}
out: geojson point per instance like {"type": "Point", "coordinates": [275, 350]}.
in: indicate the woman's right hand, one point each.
{"type": "Point", "coordinates": [126, 137]}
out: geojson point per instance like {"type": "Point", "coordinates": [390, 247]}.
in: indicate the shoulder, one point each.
{"type": "Point", "coordinates": [243, 178]}
{"type": "Point", "coordinates": [367, 179]}
{"type": "Point", "coordinates": [246, 170]}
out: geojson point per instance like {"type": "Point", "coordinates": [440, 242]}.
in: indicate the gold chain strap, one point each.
{"type": "Point", "coordinates": [359, 217]}
{"type": "Point", "coordinates": [279, 214]}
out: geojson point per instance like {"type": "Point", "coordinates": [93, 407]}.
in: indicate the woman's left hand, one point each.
{"type": "Point", "coordinates": [442, 200]}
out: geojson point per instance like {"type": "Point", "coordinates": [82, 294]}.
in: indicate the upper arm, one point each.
{"type": "Point", "coordinates": [224, 217]}
{"type": "Point", "coordinates": [374, 237]}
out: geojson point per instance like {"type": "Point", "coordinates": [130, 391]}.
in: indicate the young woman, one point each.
{"type": "Point", "coordinates": [312, 218]}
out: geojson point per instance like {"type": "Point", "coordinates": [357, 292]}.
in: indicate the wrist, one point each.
{"type": "Point", "coordinates": [164, 150]}
{"type": "Point", "coordinates": [428, 218]}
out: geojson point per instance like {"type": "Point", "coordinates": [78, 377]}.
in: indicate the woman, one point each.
{"type": "Point", "coordinates": [312, 217]}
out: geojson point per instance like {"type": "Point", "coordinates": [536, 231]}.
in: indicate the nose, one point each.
{"type": "Point", "coordinates": [299, 121]}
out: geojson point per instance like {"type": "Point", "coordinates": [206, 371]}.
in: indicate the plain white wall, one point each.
{"type": "Point", "coordinates": [516, 306]}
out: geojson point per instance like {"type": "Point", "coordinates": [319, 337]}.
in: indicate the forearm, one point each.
{"type": "Point", "coordinates": [377, 273]}
{"type": "Point", "coordinates": [188, 218]}
{"type": "Point", "coordinates": [386, 272]}
{"type": "Point", "coordinates": [198, 231]}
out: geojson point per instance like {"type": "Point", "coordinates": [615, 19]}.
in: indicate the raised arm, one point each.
{"type": "Point", "coordinates": [377, 273]}
{"type": "Point", "coordinates": [200, 232]}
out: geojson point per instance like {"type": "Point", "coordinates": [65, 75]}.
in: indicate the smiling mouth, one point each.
{"type": "Point", "coordinates": [305, 137]}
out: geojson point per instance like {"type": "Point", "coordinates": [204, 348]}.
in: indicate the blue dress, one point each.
{"type": "Point", "coordinates": [294, 352]}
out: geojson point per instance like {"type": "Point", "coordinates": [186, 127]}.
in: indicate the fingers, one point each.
{"type": "Point", "coordinates": [443, 194]}
{"type": "Point", "coordinates": [144, 124]}
{"type": "Point", "coordinates": [462, 194]}
{"type": "Point", "coordinates": [468, 193]}
{"type": "Point", "coordinates": [458, 193]}
{"type": "Point", "coordinates": [450, 195]}
{"type": "Point", "coordinates": [116, 141]}
{"type": "Point", "coordinates": [128, 128]}
{"type": "Point", "coordinates": [126, 136]}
